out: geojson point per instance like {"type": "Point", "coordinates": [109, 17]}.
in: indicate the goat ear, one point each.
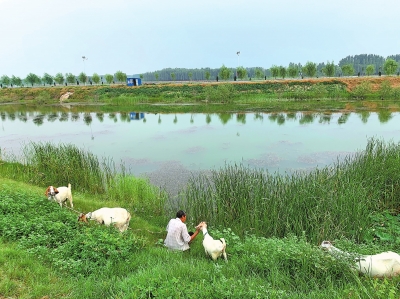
{"type": "Point", "coordinates": [56, 191]}
{"type": "Point", "coordinates": [81, 217]}
{"type": "Point", "coordinates": [47, 191]}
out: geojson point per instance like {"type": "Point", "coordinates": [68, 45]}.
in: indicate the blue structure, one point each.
{"type": "Point", "coordinates": [131, 81]}
{"type": "Point", "coordinates": [136, 115]}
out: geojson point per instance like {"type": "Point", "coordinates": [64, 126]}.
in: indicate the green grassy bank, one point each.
{"type": "Point", "coordinates": [275, 95]}
{"type": "Point", "coordinates": [273, 225]}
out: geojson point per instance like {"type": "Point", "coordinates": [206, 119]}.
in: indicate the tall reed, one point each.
{"type": "Point", "coordinates": [326, 203]}
{"type": "Point", "coordinates": [47, 164]}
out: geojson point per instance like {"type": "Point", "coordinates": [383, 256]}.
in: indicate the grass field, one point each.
{"type": "Point", "coordinates": [272, 224]}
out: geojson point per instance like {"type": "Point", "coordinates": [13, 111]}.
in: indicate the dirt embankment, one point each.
{"type": "Point", "coordinates": [84, 93]}
{"type": "Point", "coordinates": [352, 82]}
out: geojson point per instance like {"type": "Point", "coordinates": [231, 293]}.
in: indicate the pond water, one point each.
{"type": "Point", "coordinates": [278, 142]}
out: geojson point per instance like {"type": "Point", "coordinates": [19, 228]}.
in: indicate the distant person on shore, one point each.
{"type": "Point", "coordinates": [178, 237]}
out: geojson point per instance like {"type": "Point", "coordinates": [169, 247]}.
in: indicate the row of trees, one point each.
{"type": "Point", "coordinates": [352, 65]}
{"type": "Point", "coordinates": [60, 79]}
{"type": "Point", "coordinates": [310, 69]}
{"type": "Point", "coordinates": [360, 62]}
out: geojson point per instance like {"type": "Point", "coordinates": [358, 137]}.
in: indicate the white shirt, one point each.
{"type": "Point", "coordinates": [178, 237]}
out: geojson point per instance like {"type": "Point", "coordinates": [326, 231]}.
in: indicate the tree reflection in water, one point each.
{"type": "Point", "coordinates": [87, 118]}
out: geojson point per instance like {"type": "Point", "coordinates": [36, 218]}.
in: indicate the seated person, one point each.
{"type": "Point", "coordinates": [178, 237]}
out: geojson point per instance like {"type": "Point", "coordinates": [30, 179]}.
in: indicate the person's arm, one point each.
{"type": "Point", "coordinates": [194, 234]}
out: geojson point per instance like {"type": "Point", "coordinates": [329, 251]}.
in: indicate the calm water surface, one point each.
{"type": "Point", "coordinates": [190, 142]}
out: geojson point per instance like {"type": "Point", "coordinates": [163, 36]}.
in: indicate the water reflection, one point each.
{"type": "Point", "coordinates": [343, 118]}
{"type": "Point", "coordinates": [258, 116]}
{"type": "Point", "coordinates": [291, 115]}
{"type": "Point", "coordinates": [384, 116]}
{"type": "Point", "coordinates": [306, 118]}
{"type": "Point", "coordinates": [325, 118]}
{"type": "Point", "coordinates": [225, 117]}
{"type": "Point", "coordinates": [113, 117]}
{"type": "Point", "coordinates": [136, 115]}
{"type": "Point", "coordinates": [38, 119]}
{"type": "Point", "coordinates": [241, 118]}
{"type": "Point", "coordinates": [364, 115]}
{"type": "Point", "coordinates": [52, 117]}
{"type": "Point", "coordinates": [281, 118]}
{"type": "Point", "coordinates": [208, 118]}
{"type": "Point", "coordinates": [100, 116]}
{"type": "Point", "coordinates": [87, 118]}
{"type": "Point", "coordinates": [22, 116]}
{"type": "Point", "coordinates": [146, 141]}
{"type": "Point", "coordinates": [75, 116]}
{"type": "Point", "coordinates": [124, 117]}
{"type": "Point", "coordinates": [64, 116]}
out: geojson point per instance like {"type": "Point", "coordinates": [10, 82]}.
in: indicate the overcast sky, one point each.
{"type": "Point", "coordinates": [51, 36]}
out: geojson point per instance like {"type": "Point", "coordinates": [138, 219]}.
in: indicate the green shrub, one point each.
{"type": "Point", "coordinates": [362, 90]}
{"type": "Point", "coordinates": [385, 90]}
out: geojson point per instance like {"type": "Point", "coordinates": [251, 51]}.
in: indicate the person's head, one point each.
{"type": "Point", "coordinates": [181, 215]}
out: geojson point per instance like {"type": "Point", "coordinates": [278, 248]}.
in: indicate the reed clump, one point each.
{"type": "Point", "coordinates": [326, 203]}
{"type": "Point", "coordinates": [44, 164]}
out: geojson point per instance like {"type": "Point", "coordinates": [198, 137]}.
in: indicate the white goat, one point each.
{"type": "Point", "coordinates": [119, 217]}
{"type": "Point", "coordinates": [60, 195]}
{"type": "Point", "coordinates": [213, 248]}
{"type": "Point", "coordinates": [385, 264]}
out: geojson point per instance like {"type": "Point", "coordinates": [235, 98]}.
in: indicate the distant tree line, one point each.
{"type": "Point", "coordinates": [62, 79]}
{"type": "Point", "coordinates": [361, 65]}
{"type": "Point", "coordinates": [361, 62]}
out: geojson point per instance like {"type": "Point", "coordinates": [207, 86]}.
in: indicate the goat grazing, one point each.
{"type": "Point", "coordinates": [213, 248]}
{"type": "Point", "coordinates": [60, 195]}
{"type": "Point", "coordinates": [119, 217]}
{"type": "Point", "coordinates": [385, 264]}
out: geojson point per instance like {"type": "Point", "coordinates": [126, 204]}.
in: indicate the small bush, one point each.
{"type": "Point", "coordinates": [362, 90]}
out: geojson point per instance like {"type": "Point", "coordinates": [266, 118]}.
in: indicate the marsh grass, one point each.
{"type": "Point", "coordinates": [48, 164]}
{"type": "Point", "coordinates": [137, 192]}
{"type": "Point", "coordinates": [272, 225]}
{"type": "Point", "coordinates": [326, 203]}
{"type": "Point", "coordinates": [45, 164]}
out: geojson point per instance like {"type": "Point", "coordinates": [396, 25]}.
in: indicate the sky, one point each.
{"type": "Point", "coordinates": [52, 36]}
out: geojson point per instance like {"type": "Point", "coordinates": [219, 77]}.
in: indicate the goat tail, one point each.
{"type": "Point", "coordinates": [69, 186]}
